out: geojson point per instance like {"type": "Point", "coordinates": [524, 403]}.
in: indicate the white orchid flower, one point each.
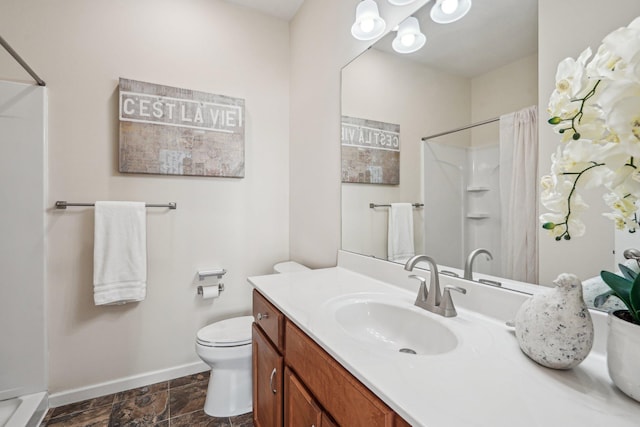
{"type": "Point", "coordinates": [618, 220]}
{"type": "Point", "coordinates": [577, 227]}
{"type": "Point", "coordinates": [571, 76]}
{"type": "Point", "coordinates": [562, 105]}
{"type": "Point", "coordinates": [595, 106]}
{"type": "Point", "coordinates": [621, 202]}
{"type": "Point", "coordinates": [622, 176]}
{"type": "Point", "coordinates": [571, 80]}
{"type": "Point", "coordinates": [624, 121]}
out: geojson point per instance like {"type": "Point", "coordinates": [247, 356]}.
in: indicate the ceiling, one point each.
{"type": "Point", "coordinates": [494, 33]}
{"type": "Point", "coordinates": [284, 9]}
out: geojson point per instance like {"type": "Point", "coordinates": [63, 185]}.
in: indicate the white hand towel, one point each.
{"type": "Point", "coordinates": [400, 232]}
{"type": "Point", "coordinates": [119, 253]}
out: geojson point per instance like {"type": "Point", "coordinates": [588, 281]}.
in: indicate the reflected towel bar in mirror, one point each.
{"type": "Point", "coordinates": [373, 205]}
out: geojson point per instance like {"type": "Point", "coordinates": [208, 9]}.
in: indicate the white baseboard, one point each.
{"type": "Point", "coordinates": [122, 384]}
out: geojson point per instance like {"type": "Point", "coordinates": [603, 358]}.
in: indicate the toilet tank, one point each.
{"type": "Point", "coordinates": [289, 267]}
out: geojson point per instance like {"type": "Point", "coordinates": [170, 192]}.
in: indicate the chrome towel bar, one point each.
{"type": "Point", "coordinates": [373, 205]}
{"type": "Point", "coordinates": [62, 204]}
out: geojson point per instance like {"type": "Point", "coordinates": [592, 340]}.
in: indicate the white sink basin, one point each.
{"type": "Point", "coordinates": [395, 326]}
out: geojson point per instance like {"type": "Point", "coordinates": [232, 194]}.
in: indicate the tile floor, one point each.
{"type": "Point", "coordinates": [174, 403]}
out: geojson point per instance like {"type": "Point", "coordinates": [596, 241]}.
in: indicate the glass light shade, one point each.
{"type": "Point", "coordinates": [409, 38]}
{"type": "Point", "coordinates": [449, 6]}
{"type": "Point", "coordinates": [368, 24]}
{"type": "Point", "coordinates": [401, 2]}
{"type": "Point", "coordinates": [445, 12]}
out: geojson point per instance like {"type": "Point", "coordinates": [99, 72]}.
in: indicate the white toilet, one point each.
{"type": "Point", "coordinates": [289, 267]}
{"type": "Point", "coordinates": [226, 347]}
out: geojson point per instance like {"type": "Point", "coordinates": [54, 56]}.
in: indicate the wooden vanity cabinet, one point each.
{"type": "Point", "coordinates": [300, 408]}
{"type": "Point", "coordinates": [268, 363]}
{"type": "Point", "coordinates": [318, 391]}
{"type": "Point", "coordinates": [268, 394]}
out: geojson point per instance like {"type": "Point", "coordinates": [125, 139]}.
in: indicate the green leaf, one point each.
{"type": "Point", "coordinates": [554, 120]}
{"type": "Point", "coordinates": [634, 299]}
{"type": "Point", "coordinates": [548, 226]}
{"type": "Point", "coordinates": [620, 285]}
{"type": "Point", "coordinates": [628, 273]}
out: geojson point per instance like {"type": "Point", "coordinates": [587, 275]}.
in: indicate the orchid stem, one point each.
{"type": "Point", "coordinates": [573, 189]}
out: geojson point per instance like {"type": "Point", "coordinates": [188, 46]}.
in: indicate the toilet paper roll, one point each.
{"type": "Point", "coordinates": [209, 292]}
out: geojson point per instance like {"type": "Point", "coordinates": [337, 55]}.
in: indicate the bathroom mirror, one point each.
{"type": "Point", "coordinates": [477, 68]}
{"type": "Point", "coordinates": [433, 91]}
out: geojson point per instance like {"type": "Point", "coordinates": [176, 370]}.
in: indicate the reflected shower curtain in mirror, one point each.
{"type": "Point", "coordinates": [518, 190]}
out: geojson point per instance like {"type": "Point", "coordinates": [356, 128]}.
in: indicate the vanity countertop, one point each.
{"type": "Point", "coordinates": [485, 381]}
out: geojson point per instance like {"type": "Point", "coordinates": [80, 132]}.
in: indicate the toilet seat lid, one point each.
{"type": "Point", "coordinates": [226, 333]}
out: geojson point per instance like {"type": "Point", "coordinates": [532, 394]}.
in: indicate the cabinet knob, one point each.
{"type": "Point", "coordinates": [261, 316]}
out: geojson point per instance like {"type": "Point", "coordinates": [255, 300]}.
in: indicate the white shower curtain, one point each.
{"type": "Point", "coordinates": [518, 190]}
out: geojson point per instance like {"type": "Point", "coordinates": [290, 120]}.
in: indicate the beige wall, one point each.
{"type": "Point", "coordinates": [80, 49]}
{"type": "Point", "coordinates": [501, 91]}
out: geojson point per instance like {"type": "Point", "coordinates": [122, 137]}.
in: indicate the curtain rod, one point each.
{"type": "Point", "coordinates": [24, 65]}
{"type": "Point", "coordinates": [495, 119]}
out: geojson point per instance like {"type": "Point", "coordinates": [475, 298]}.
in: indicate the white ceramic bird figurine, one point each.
{"type": "Point", "coordinates": [554, 328]}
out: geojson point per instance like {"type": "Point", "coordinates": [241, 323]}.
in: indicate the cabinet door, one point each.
{"type": "Point", "coordinates": [300, 410]}
{"type": "Point", "coordinates": [348, 401]}
{"type": "Point", "coordinates": [267, 382]}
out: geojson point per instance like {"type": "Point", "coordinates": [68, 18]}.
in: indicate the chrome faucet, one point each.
{"type": "Point", "coordinates": [468, 265]}
{"type": "Point", "coordinates": [431, 300]}
{"type": "Point", "coordinates": [433, 296]}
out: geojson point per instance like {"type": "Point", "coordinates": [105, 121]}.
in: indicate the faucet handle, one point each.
{"type": "Point", "coordinates": [420, 278]}
{"type": "Point", "coordinates": [490, 282]}
{"type": "Point", "coordinates": [449, 273]}
{"type": "Point", "coordinates": [422, 292]}
{"type": "Point", "coordinates": [448, 309]}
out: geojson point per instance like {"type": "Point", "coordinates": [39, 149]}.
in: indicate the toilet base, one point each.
{"type": "Point", "coordinates": [229, 393]}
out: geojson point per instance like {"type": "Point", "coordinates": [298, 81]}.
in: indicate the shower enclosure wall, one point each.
{"type": "Point", "coordinates": [23, 357]}
{"type": "Point", "coordinates": [462, 208]}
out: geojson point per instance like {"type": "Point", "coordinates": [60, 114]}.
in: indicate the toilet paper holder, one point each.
{"type": "Point", "coordinates": [220, 288]}
{"type": "Point", "coordinates": [208, 273]}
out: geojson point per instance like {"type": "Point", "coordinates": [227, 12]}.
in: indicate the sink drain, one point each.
{"type": "Point", "coordinates": [407, 350]}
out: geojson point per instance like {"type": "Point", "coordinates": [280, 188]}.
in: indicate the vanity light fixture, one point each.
{"type": "Point", "coordinates": [408, 38]}
{"type": "Point", "coordinates": [448, 11]}
{"type": "Point", "coordinates": [368, 24]}
{"type": "Point", "coordinates": [401, 2]}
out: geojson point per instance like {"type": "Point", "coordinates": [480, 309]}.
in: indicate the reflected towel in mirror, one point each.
{"type": "Point", "coordinates": [400, 232]}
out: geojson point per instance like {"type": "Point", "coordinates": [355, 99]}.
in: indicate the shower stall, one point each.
{"type": "Point", "coordinates": [462, 207]}
{"type": "Point", "coordinates": [480, 186]}
{"type": "Point", "coordinates": [23, 176]}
